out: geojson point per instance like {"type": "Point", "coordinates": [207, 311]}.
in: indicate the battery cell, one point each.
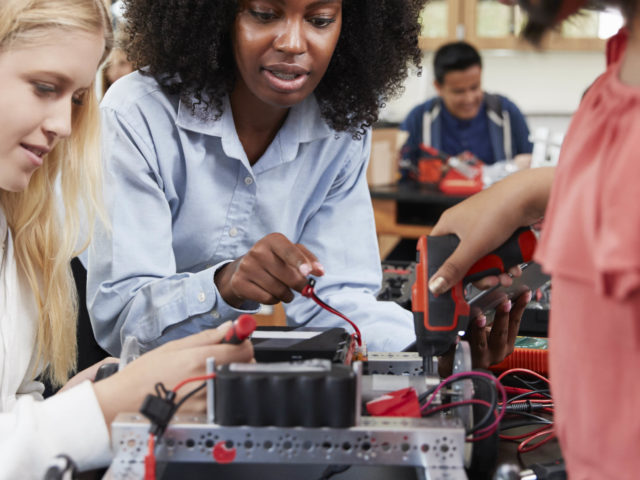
{"type": "Point", "coordinates": [312, 393]}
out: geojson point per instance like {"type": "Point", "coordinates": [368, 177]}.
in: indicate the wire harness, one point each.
{"type": "Point", "coordinates": [309, 292]}
{"type": "Point", "coordinates": [159, 409]}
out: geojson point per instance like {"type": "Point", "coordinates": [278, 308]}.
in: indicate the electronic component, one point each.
{"type": "Point", "coordinates": [285, 399]}
{"type": "Point", "coordinates": [397, 279]}
{"type": "Point", "coordinates": [159, 410]}
{"type": "Point", "coordinates": [530, 353]}
{"type": "Point", "coordinates": [283, 344]}
{"type": "Point", "coordinates": [314, 393]}
{"type": "Point", "coordinates": [285, 409]}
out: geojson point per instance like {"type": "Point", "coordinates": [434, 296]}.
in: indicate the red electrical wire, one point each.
{"type": "Point", "coordinates": [193, 379]}
{"type": "Point", "coordinates": [522, 448]}
{"type": "Point", "coordinates": [461, 403]}
{"type": "Point", "coordinates": [522, 370]}
{"type": "Point", "coordinates": [150, 460]}
{"type": "Point", "coordinates": [518, 390]}
{"type": "Point", "coordinates": [545, 431]}
{"type": "Point", "coordinates": [309, 292]}
{"type": "Point", "coordinates": [524, 435]}
{"type": "Point", "coordinates": [483, 432]}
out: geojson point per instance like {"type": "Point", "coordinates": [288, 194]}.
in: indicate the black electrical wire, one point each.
{"type": "Point", "coordinates": [513, 423]}
{"type": "Point", "coordinates": [532, 416]}
{"type": "Point", "coordinates": [470, 376]}
{"type": "Point", "coordinates": [527, 406]}
{"type": "Point", "coordinates": [189, 395]}
{"type": "Point", "coordinates": [332, 470]}
{"type": "Point", "coordinates": [423, 396]}
{"type": "Point", "coordinates": [544, 392]}
{"type": "Point", "coordinates": [490, 410]}
{"type": "Point", "coordinates": [532, 385]}
{"type": "Point", "coordinates": [161, 390]}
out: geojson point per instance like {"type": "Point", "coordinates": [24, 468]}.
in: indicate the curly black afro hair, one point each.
{"type": "Point", "coordinates": [192, 38]}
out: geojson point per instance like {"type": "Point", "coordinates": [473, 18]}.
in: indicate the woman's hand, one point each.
{"type": "Point", "coordinates": [490, 345]}
{"type": "Point", "coordinates": [268, 272]}
{"type": "Point", "coordinates": [487, 219]}
{"type": "Point", "coordinates": [169, 364]}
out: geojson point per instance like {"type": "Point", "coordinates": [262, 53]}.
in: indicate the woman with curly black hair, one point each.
{"type": "Point", "coordinates": [193, 38]}
{"type": "Point", "coordinates": [236, 160]}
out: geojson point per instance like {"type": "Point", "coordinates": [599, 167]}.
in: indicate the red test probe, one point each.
{"type": "Point", "coordinates": [242, 327]}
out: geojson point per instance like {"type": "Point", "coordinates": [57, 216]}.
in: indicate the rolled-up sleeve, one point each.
{"type": "Point", "coordinates": [133, 287]}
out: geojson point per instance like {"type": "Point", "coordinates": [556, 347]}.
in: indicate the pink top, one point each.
{"type": "Point", "coordinates": [592, 223]}
{"type": "Point", "coordinates": [591, 246]}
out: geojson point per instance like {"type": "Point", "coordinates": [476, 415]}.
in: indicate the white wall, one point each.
{"type": "Point", "coordinates": [546, 86]}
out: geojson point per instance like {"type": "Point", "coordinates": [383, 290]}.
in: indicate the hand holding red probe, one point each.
{"type": "Point", "coordinates": [240, 330]}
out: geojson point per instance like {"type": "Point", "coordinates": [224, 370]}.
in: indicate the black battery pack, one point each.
{"type": "Point", "coordinates": [313, 393]}
{"type": "Point", "coordinates": [284, 344]}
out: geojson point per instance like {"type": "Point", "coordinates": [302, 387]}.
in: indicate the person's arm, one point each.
{"type": "Point", "coordinates": [268, 273]}
{"type": "Point", "coordinates": [337, 245]}
{"type": "Point", "coordinates": [33, 432]}
{"type": "Point", "coordinates": [170, 364]}
{"type": "Point", "coordinates": [75, 422]}
{"type": "Point", "coordinates": [342, 235]}
{"type": "Point", "coordinates": [88, 373]}
{"type": "Point", "coordinates": [485, 221]}
{"type": "Point", "coordinates": [133, 286]}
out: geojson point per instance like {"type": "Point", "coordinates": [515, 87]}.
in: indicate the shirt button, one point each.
{"type": "Point", "coordinates": [233, 231]}
{"type": "Point", "coordinates": [201, 297]}
{"type": "Point", "coordinates": [248, 180]}
{"type": "Point", "coordinates": [215, 314]}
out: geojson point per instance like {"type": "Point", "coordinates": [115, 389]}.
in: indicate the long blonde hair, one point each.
{"type": "Point", "coordinates": [44, 243]}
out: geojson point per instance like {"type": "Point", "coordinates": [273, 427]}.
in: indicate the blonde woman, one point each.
{"type": "Point", "coordinates": [49, 53]}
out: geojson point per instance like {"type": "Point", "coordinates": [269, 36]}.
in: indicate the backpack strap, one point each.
{"type": "Point", "coordinates": [427, 119]}
{"type": "Point", "coordinates": [501, 118]}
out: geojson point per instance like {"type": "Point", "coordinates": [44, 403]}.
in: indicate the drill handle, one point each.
{"type": "Point", "coordinates": [437, 320]}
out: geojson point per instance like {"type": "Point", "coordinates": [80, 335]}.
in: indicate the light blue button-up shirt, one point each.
{"type": "Point", "coordinates": [183, 200]}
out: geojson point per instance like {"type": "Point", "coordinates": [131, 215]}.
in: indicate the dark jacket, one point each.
{"type": "Point", "coordinates": [507, 128]}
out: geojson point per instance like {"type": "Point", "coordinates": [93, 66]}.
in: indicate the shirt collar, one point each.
{"type": "Point", "coordinates": [303, 124]}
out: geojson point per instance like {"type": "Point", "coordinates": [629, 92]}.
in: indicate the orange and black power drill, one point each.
{"type": "Point", "coordinates": [438, 320]}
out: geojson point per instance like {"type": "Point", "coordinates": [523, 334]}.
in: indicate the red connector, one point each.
{"type": "Point", "coordinates": [150, 460]}
{"type": "Point", "coordinates": [309, 292]}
